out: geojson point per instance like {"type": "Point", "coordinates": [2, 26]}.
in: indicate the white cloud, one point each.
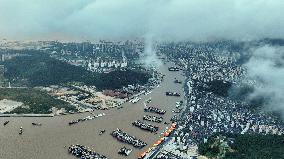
{"type": "Point", "coordinates": [266, 66]}
{"type": "Point", "coordinates": [165, 19]}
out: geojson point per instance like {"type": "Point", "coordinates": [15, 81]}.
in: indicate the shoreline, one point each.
{"type": "Point", "coordinates": [54, 136]}
{"type": "Point", "coordinates": [27, 115]}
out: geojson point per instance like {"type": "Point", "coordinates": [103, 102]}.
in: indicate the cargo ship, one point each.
{"type": "Point", "coordinates": [172, 94]}
{"type": "Point", "coordinates": [173, 69]}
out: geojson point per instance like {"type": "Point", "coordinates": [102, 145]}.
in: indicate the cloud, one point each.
{"type": "Point", "coordinates": [149, 57]}
{"type": "Point", "coordinates": [164, 19]}
{"type": "Point", "coordinates": [171, 20]}
{"type": "Point", "coordinates": [266, 66]}
{"type": "Point", "coordinates": [21, 19]}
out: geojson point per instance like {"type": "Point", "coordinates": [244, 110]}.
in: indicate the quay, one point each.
{"type": "Point", "coordinates": [26, 115]}
{"type": "Point", "coordinates": [56, 135]}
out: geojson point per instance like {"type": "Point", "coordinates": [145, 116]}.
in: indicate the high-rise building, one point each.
{"type": "Point", "coordinates": [2, 57]}
{"type": "Point", "coordinates": [2, 69]}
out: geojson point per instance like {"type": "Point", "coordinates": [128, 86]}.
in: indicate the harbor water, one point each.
{"type": "Point", "coordinates": [52, 139]}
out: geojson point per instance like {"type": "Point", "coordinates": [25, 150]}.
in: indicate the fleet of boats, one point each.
{"type": "Point", "coordinates": [153, 118]}
{"type": "Point", "coordinates": [145, 126]}
{"type": "Point", "coordinates": [154, 110]}
{"type": "Point", "coordinates": [84, 152]}
{"type": "Point", "coordinates": [126, 138]}
{"type": "Point", "coordinates": [85, 119]}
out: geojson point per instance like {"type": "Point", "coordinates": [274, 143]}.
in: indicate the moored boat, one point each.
{"type": "Point", "coordinates": [6, 122]}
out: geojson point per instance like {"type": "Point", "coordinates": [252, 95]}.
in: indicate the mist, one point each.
{"type": "Point", "coordinates": [266, 67]}
{"type": "Point", "coordinates": [149, 57]}
{"type": "Point", "coordinates": [170, 20]}
{"type": "Point", "coordinates": [164, 20]}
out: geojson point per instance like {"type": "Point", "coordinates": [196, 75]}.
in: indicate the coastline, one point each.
{"type": "Point", "coordinates": [55, 135]}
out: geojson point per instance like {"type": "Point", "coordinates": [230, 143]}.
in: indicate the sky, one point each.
{"type": "Point", "coordinates": [178, 20]}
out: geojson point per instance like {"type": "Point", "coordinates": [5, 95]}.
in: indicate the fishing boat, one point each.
{"type": "Point", "coordinates": [102, 131]}
{"type": "Point", "coordinates": [36, 124]}
{"type": "Point", "coordinates": [6, 122]}
{"type": "Point", "coordinates": [21, 131]}
{"type": "Point", "coordinates": [124, 151]}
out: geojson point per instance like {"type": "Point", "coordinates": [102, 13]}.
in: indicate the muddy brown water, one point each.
{"type": "Point", "coordinates": [51, 140]}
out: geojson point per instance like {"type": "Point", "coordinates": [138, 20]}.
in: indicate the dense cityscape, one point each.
{"type": "Point", "coordinates": [110, 79]}
{"type": "Point", "coordinates": [209, 111]}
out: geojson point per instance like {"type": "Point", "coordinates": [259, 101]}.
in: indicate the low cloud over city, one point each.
{"type": "Point", "coordinates": [143, 79]}
{"type": "Point", "coordinates": [164, 19]}
{"type": "Point", "coordinates": [266, 66]}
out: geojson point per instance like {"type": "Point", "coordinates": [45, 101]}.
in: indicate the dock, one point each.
{"type": "Point", "coordinates": [26, 115]}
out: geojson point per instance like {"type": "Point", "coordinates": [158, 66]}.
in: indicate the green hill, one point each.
{"type": "Point", "coordinates": [38, 102]}
{"type": "Point", "coordinates": [39, 69]}
{"type": "Point", "coordinates": [247, 146]}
